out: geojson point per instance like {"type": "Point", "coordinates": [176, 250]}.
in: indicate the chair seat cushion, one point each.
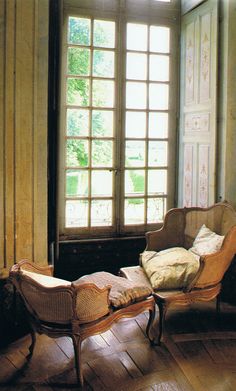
{"type": "Point", "coordinates": [135, 274]}
{"type": "Point", "coordinates": [170, 269]}
{"type": "Point", "coordinates": [123, 292]}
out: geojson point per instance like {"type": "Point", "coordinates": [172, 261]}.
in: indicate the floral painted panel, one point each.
{"type": "Point", "coordinates": [203, 175]}
{"type": "Point", "coordinates": [205, 57]}
{"type": "Point", "coordinates": [189, 65]}
{"type": "Point", "coordinates": [197, 122]}
{"type": "Point", "coordinates": [188, 175]}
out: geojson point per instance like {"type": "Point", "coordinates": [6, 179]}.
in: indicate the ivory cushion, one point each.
{"type": "Point", "coordinates": [206, 242]}
{"type": "Point", "coordinates": [47, 281]}
{"type": "Point", "coordinates": [170, 269]}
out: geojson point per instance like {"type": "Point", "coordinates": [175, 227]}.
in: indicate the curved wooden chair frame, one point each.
{"type": "Point", "coordinates": [74, 328]}
{"type": "Point", "coordinates": [179, 230]}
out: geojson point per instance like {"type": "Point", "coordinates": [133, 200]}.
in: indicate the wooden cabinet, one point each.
{"type": "Point", "coordinates": [78, 258]}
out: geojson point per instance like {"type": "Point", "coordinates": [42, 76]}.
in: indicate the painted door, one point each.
{"type": "Point", "coordinates": [197, 159]}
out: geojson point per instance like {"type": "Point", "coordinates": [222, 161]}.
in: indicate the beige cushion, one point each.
{"type": "Point", "coordinates": [46, 281]}
{"type": "Point", "coordinates": [206, 242]}
{"type": "Point", "coordinates": [170, 269]}
{"type": "Point", "coordinates": [123, 291]}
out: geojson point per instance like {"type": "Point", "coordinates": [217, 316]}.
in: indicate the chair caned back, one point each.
{"type": "Point", "coordinates": [44, 303]}
{"type": "Point", "coordinates": [218, 218]}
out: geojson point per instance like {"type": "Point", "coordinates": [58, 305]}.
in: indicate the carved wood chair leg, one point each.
{"type": "Point", "coordinates": [162, 313]}
{"type": "Point", "coordinates": [33, 340]}
{"type": "Point", "coordinates": [78, 365]}
{"type": "Point", "coordinates": [149, 325]}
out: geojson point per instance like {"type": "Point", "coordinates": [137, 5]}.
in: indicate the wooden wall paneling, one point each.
{"type": "Point", "coordinates": [40, 131]}
{"type": "Point", "coordinates": [227, 104]}
{"type": "Point", "coordinates": [23, 131]}
{"type": "Point", "coordinates": [10, 133]}
{"type": "Point", "coordinates": [2, 106]}
{"type": "Point", "coordinates": [24, 128]}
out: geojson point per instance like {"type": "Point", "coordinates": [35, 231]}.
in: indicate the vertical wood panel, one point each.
{"type": "Point", "coordinates": [203, 175]}
{"type": "Point", "coordinates": [40, 130]}
{"type": "Point", "coordinates": [227, 105]}
{"type": "Point", "coordinates": [23, 131]}
{"type": "Point", "coordinates": [188, 174]}
{"type": "Point", "coordinates": [10, 133]}
{"type": "Point", "coordinates": [24, 128]}
{"type": "Point", "coordinates": [2, 84]}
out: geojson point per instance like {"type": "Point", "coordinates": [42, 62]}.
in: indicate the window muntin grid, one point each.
{"type": "Point", "coordinates": [90, 131]}
{"type": "Point", "coordinates": [130, 201]}
{"type": "Point", "coordinates": [146, 125]}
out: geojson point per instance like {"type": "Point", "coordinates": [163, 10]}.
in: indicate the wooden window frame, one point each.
{"type": "Point", "coordinates": [121, 18]}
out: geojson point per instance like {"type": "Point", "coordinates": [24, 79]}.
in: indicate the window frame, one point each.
{"type": "Point", "coordinates": [131, 16]}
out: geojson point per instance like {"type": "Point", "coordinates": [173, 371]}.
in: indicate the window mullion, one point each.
{"type": "Point", "coordinates": [119, 143]}
{"type": "Point", "coordinates": [147, 124]}
{"type": "Point", "coordinates": [90, 124]}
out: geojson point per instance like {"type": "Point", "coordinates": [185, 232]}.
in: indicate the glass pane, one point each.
{"type": "Point", "coordinates": [134, 211]}
{"type": "Point", "coordinates": [135, 124]}
{"type": "Point", "coordinates": [159, 39]}
{"type": "Point", "coordinates": [102, 153]}
{"type": "Point", "coordinates": [78, 61]}
{"type": "Point", "coordinates": [103, 93]}
{"type": "Point", "coordinates": [156, 210]}
{"type": "Point", "coordinates": [157, 153]}
{"type": "Point", "coordinates": [136, 95]}
{"type": "Point", "coordinates": [102, 183]}
{"type": "Point", "coordinates": [134, 153]}
{"type": "Point", "coordinates": [158, 125]}
{"type": "Point", "coordinates": [76, 183]}
{"type": "Point", "coordinates": [158, 96]}
{"type": "Point", "coordinates": [157, 182]}
{"type": "Point", "coordinates": [79, 31]}
{"type": "Point", "coordinates": [136, 36]}
{"type": "Point", "coordinates": [134, 182]}
{"type": "Point", "coordinates": [159, 68]}
{"type": "Point", "coordinates": [101, 213]}
{"type": "Point", "coordinates": [136, 66]}
{"type": "Point", "coordinates": [78, 92]}
{"type": "Point", "coordinates": [104, 34]}
{"type": "Point", "coordinates": [76, 213]}
{"type": "Point", "coordinates": [103, 63]}
{"type": "Point", "coordinates": [77, 153]}
{"type": "Point", "coordinates": [102, 123]}
{"type": "Point", "coordinates": [77, 122]}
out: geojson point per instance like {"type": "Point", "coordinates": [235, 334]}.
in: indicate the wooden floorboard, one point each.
{"type": "Point", "coordinates": [198, 354]}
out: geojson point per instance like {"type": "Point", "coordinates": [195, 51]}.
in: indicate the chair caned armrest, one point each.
{"type": "Point", "coordinates": [91, 302]}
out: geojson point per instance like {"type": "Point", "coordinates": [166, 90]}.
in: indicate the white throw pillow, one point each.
{"type": "Point", "coordinates": [47, 281]}
{"type": "Point", "coordinates": [206, 242]}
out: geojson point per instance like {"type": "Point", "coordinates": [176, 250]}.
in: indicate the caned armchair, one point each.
{"type": "Point", "coordinates": [81, 309]}
{"type": "Point", "coordinates": [180, 228]}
